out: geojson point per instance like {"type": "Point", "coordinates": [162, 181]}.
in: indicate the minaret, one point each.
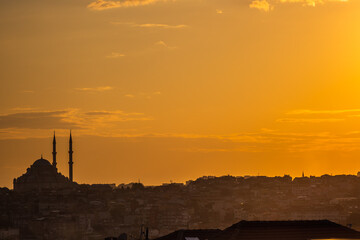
{"type": "Point", "coordinates": [54, 152]}
{"type": "Point", "coordinates": [70, 159]}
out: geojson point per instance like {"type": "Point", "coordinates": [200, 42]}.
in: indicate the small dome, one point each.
{"type": "Point", "coordinates": [41, 162]}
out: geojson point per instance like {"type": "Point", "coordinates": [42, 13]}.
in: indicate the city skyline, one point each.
{"type": "Point", "coordinates": [173, 90]}
{"type": "Point", "coordinates": [70, 169]}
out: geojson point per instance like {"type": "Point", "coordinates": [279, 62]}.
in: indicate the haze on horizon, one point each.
{"type": "Point", "coordinates": [162, 90]}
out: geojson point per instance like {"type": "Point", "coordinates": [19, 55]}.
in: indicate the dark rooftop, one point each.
{"type": "Point", "coordinates": [201, 234]}
{"type": "Point", "coordinates": [270, 230]}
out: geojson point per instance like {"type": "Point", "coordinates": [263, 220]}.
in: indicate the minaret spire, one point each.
{"type": "Point", "coordinates": [54, 163]}
{"type": "Point", "coordinates": [70, 159]}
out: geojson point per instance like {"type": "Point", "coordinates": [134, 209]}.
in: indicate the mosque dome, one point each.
{"type": "Point", "coordinates": [41, 175]}
{"type": "Point", "coordinates": [41, 163]}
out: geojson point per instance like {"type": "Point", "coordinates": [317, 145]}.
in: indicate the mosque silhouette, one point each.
{"type": "Point", "coordinates": [42, 175]}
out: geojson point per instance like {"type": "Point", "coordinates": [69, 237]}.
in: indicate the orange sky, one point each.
{"type": "Point", "coordinates": [162, 90]}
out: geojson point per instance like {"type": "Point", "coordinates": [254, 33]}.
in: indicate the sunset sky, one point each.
{"type": "Point", "coordinates": [171, 90]}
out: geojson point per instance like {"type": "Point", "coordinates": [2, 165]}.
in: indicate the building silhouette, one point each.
{"type": "Point", "coordinates": [54, 163]}
{"type": "Point", "coordinates": [42, 175]}
{"type": "Point", "coordinates": [70, 159]}
{"type": "Point", "coordinates": [269, 230]}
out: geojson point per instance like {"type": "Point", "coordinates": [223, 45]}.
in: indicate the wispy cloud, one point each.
{"type": "Point", "coordinates": [163, 44]}
{"type": "Point", "coordinates": [95, 89]}
{"type": "Point", "coordinates": [319, 116]}
{"type": "Point", "coordinates": [28, 123]}
{"type": "Point", "coordinates": [87, 122]}
{"type": "Point", "coordinates": [311, 3]}
{"type": "Point", "coordinates": [308, 111]}
{"type": "Point", "coordinates": [273, 141]}
{"type": "Point", "coordinates": [28, 91]}
{"type": "Point", "coordinates": [101, 5]}
{"type": "Point", "coordinates": [143, 95]}
{"type": "Point", "coordinates": [151, 25]}
{"type": "Point", "coordinates": [309, 120]}
{"type": "Point", "coordinates": [219, 11]}
{"type": "Point", "coordinates": [268, 5]}
{"type": "Point", "coordinates": [155, 25]}
{"type": "Point", "coordinates": [262, 5]}
{"type": "Point", "coordinates": [115, 55]}
{"type": "Point", "coordinates": [106, 124]}
{"type": "Point", "coordinates": [36, 119]}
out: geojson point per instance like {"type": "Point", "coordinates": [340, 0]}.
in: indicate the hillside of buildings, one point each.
{"type": "Point", "coordinates": [100, 210]}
